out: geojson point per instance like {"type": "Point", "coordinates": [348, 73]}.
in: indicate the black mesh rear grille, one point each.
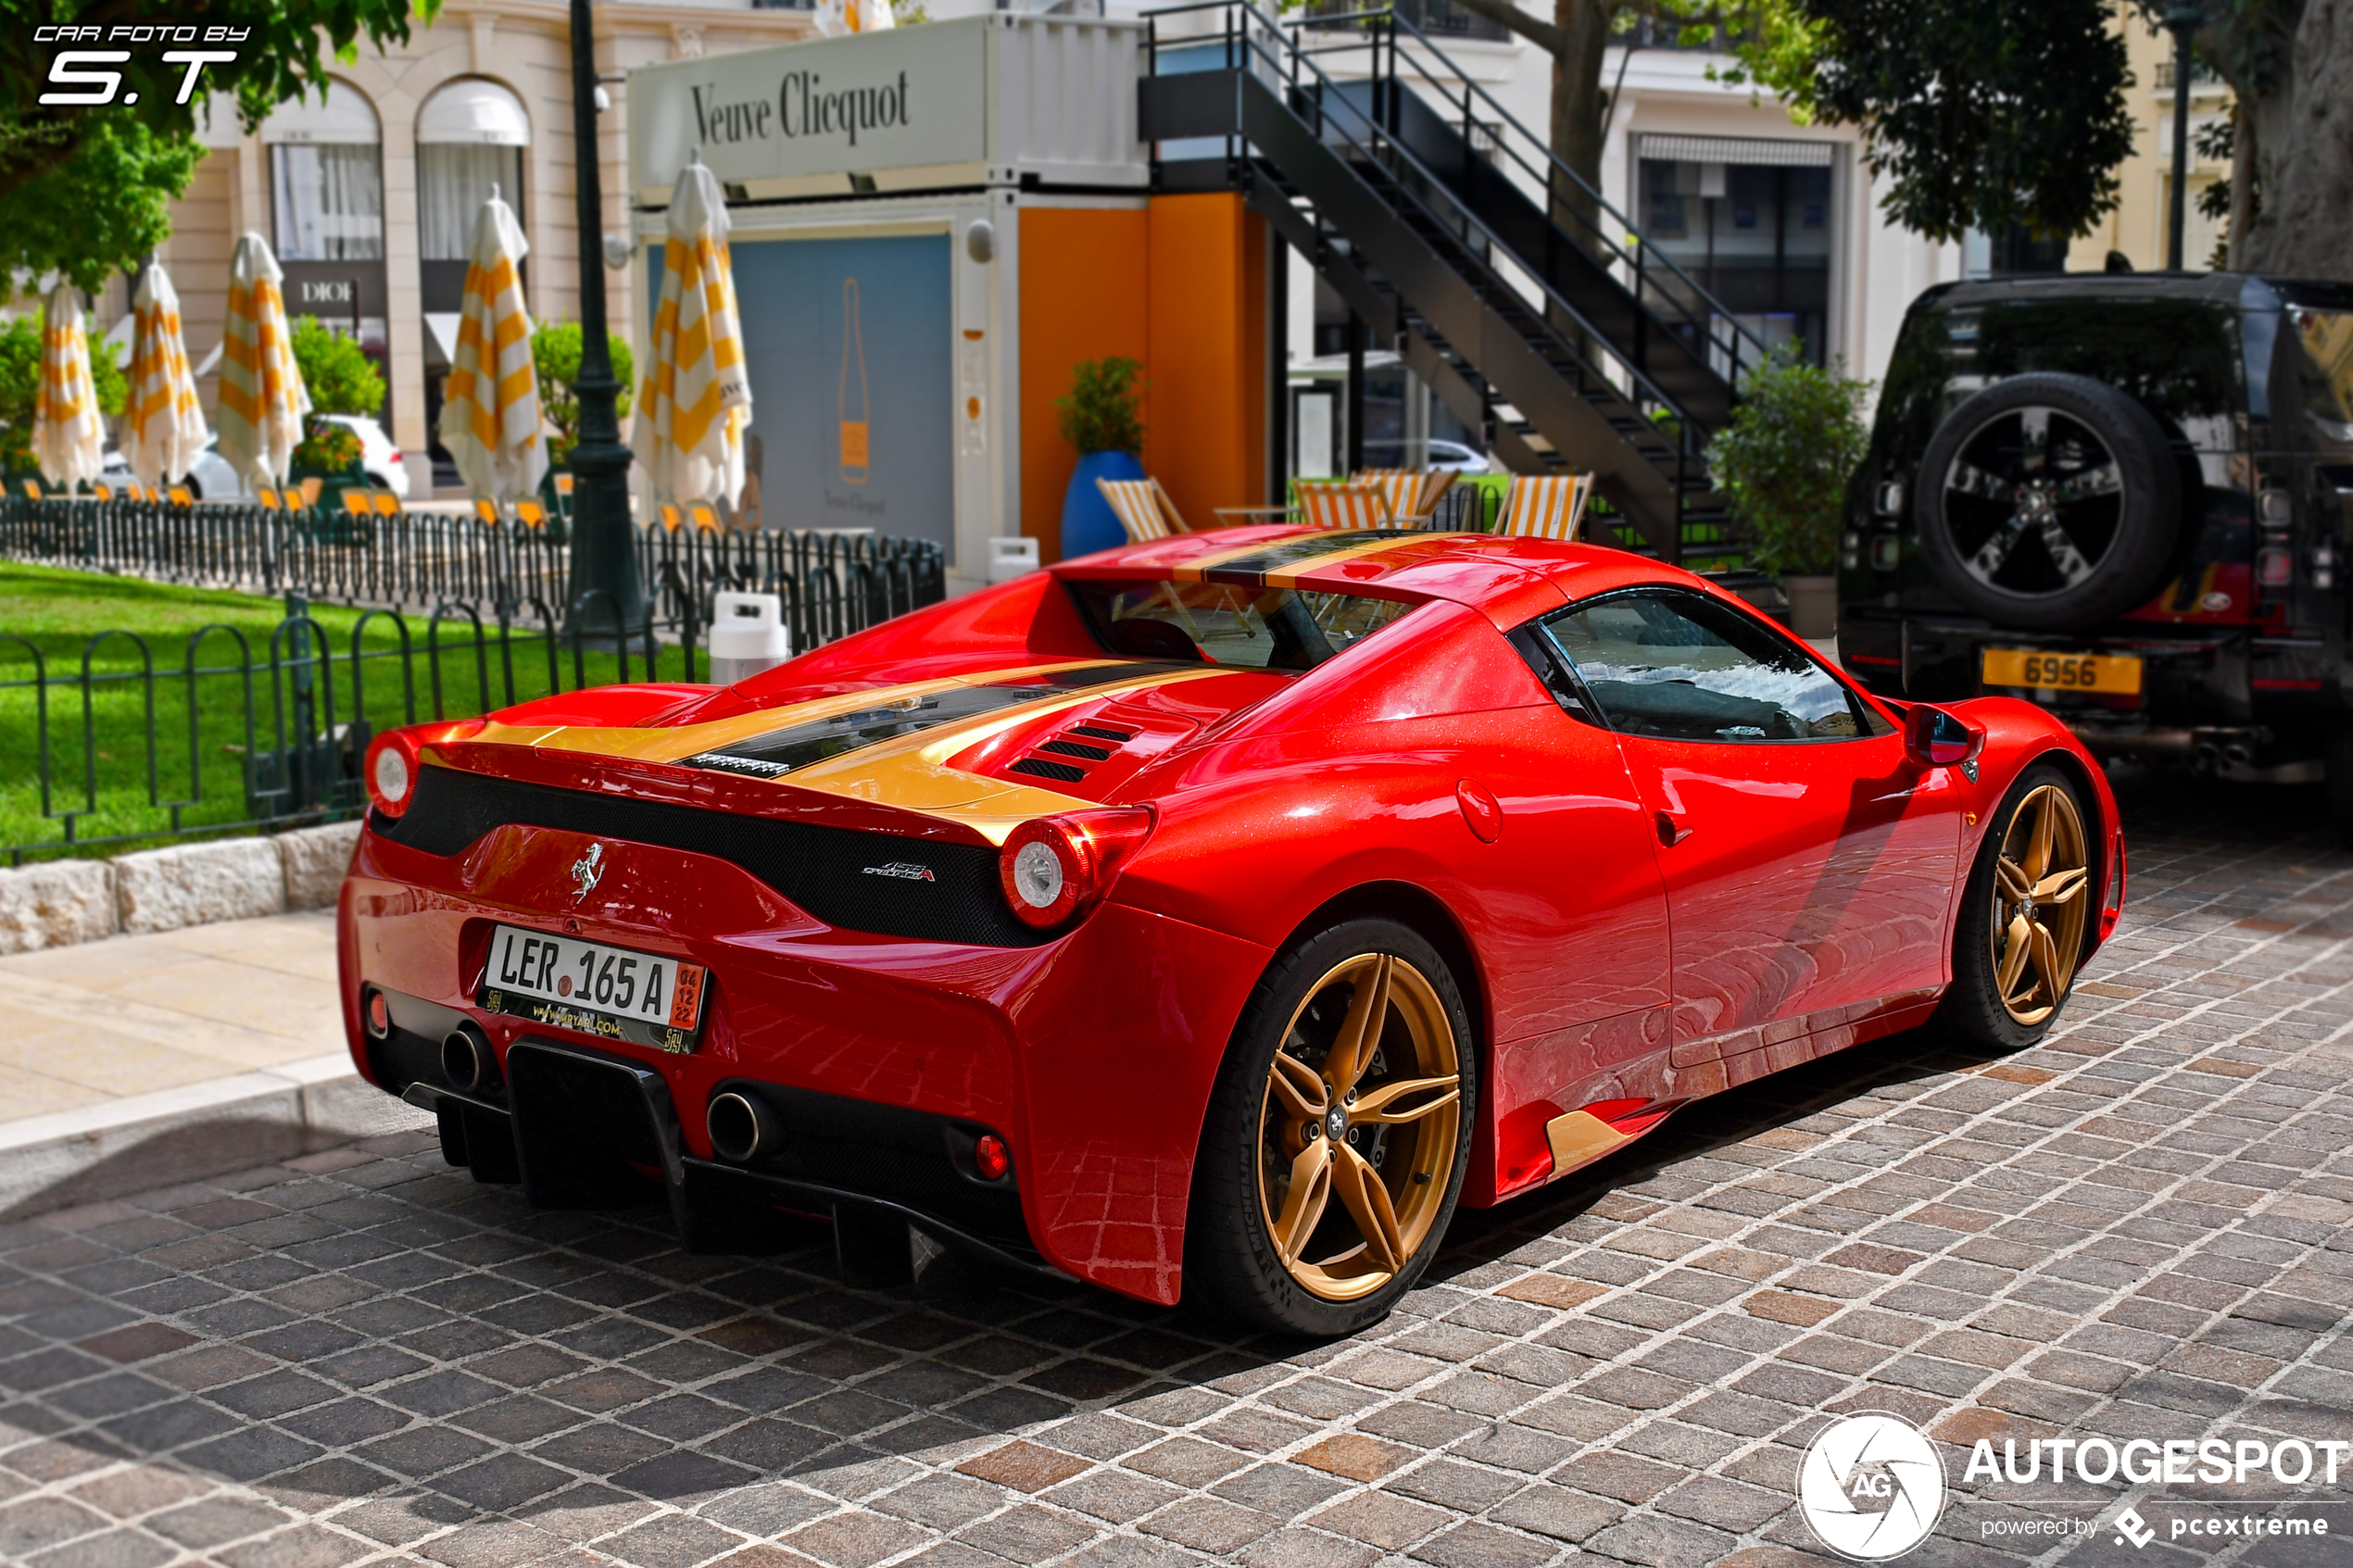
{"type": "Point", "coordinates": [1038, 767]}
{"type": "Point", "coordinates": [893, 886]}
{"type": "Point", "coordinates": [1102, 733]}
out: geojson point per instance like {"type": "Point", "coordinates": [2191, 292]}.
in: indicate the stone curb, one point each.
{"type": "Point", "coordinates": [75, 1157]}
{"type": "Point", "coordinates": [58, 903]}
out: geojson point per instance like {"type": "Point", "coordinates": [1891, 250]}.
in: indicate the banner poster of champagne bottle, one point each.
{"type": "Point", "coordinates": [850, 344]}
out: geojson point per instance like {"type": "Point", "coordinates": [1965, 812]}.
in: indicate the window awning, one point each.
{"type": "Point", "coordinates": [346, 118]}
{"type": "Point", "coordinates": [1788, 153]}
{"type": "Point", "coordinates": [475, 112]}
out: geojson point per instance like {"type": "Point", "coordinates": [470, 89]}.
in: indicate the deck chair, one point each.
{"type": "Point", "coordinates": [1143, 509]}
{"type": "Point", "coordinates": [354, 502]}
{"type": "Point", "coordinates": [183, 497]}
{"type": "Point", "coordinates": [387, 503]}
{"type": "Point", "coordinates": [309, 491]}
{"type": "Point", "coordinates": [1412, 494]}
{"type": "Point", "coordinates": [265, 496]}
{"type": "Point", "coordinates": [1344, 506]}
{"type": "Point", "coordinates": [705, 520]}
{"type": "Point", "coordinates": [487, 511]}
{"type": "Point", "coordinates": [102, 491]}
{"type": "Point", "coordinates": [1545, 505]}
{"type": "Point", "coordinates": [530, 513]}
{"type": "Point", "coordinates": [671, 521]}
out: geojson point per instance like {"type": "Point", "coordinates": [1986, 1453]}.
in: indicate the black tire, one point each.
{"type": "Point", "coordinates": [1232, 1265]}
{"type": "Point", "coordinates": [2340, 786]}
{"type": "Point", "coordinates": [2055, 533]}
{"type": "Point", "coordinates": [1972, 1013]}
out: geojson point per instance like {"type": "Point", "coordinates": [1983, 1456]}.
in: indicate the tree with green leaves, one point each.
{"type": "Point", "coordinates": [555, 355]}
{"type": "Point", "coordinates": [338, 373]}
{"type": "Point", "coordinates": [84, 187]}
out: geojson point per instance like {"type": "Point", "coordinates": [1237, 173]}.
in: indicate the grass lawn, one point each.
{"type": "Point", "coordinates": [182, 699]}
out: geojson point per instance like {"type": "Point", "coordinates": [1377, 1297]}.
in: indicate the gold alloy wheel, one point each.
{"type": "Point", "coordinates": [2042, 890]}
{"type": "Point", "coordinates": [1359, 1106]}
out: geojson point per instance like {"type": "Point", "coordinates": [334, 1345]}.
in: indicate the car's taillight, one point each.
{"type": "Point", "coordinates": [394, 756]}
{"type": "Point", "coordinates": [1056, 868]}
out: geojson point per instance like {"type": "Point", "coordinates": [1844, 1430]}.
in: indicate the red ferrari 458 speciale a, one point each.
{"type": "Point", "coordinates": [1205, 918]}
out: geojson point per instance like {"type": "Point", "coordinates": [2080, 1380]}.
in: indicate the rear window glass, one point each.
{"type": "Point", "coordinates": [2324, 369]}
{"type": "Point", "coordinates": [1224, 623]}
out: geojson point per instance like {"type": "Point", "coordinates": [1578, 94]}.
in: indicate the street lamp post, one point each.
{"type": "Point", "coordinates": [604, 558]}
{"type": "Point", "coordinates": [2182, 20]}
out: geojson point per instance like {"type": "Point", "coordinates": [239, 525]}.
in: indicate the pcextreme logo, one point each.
{"type": "Point", "coordinates": [1871, 1487]}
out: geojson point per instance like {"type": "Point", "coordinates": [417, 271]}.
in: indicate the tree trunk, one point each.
{"type": "Point", "coordinates": [2304, 145]}
{"type": "Point", "coordinates": [2243, 178]}
{"type": "Point", "coordinates": [1576, 103]}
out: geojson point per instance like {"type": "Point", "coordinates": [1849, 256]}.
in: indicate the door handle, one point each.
{"type": "Point", "coordinates": [1670, 832]}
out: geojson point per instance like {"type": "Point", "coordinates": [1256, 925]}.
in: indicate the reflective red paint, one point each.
{"type": "Point", "coordinates": [1638, 922]}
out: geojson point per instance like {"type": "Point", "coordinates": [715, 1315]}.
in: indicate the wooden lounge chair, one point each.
{"type": "Point", "coordinates": [1412, 494]}
{"type": "Point", "coordinates": [1545, 505]}
{"type": "Point", "coordinates": [1143, 509]}
{"type": "Point", "coordinates": [1348, 507]}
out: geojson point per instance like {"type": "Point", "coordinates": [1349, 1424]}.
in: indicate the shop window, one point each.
{"type": "Point", "coordinates": [1749, 220]}
{"type": "Point", "coordinates": [330, 203]}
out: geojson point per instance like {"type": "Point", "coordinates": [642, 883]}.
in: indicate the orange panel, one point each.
{"type": "Point", "coordinates": [1206, 437]}
{"type": "Point", "coordinates": [1084, 275]}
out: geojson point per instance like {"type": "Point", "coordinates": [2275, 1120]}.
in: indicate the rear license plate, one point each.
{"type": "Point", "coordinates": [594, 989]}
{"type": "Point", "coordinates": [2116, 674]}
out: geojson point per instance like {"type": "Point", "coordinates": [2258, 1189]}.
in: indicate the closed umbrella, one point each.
{"type": "Point", "coordinates": [262, 397]}
{"type": "Point", "coordinates": [695, 401]}
{"type": "Point", "coordinates": [490, 405]}
{"type": "Point", "coordinates": [69, 433]}
{"type": "Point", "coordinates": [836, 17]}
{"type": "Point", "coordinates": [164, 429]}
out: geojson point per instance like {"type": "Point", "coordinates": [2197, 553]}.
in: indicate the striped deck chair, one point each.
{"type": "Point", "coordinates": [1412, 494]}
{"type": "Point", "coordinates": [1143, 509]}
{"type": "Point", "coordinates": [1344, 506]}
{"type": "Point", "coordinates": [1545, 505]}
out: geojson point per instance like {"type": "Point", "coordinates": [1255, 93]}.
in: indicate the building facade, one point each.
{"type": "Point", "coordinates": [367, 196]}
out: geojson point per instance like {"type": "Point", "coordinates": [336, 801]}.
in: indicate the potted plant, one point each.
{"type": "Point", "coordinates": [341, 379]}
{"type": "Point", "coordinates": [1784, 458]}
{"type": "Point", "coordinates": [1100, 418]}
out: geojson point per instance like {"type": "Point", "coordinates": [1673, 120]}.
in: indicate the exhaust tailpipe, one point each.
{"type": "Point", "coordinates": [742, 1128]}
{"type": "Point", "coordinates": [467, 1059]}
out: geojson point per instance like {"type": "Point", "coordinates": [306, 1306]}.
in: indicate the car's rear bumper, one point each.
{"type": "Point", "coordinates": [1092, 1054]}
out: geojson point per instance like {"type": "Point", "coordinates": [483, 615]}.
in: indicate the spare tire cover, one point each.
{"type": "Point", "coordinates": [2049, 502]}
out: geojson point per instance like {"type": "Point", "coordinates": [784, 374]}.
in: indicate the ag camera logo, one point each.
{"type": "Point", "coordinates": [1871, 1487]}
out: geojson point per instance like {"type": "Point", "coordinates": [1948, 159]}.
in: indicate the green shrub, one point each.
{"type": "Point", "coordinates": [1101, 414]}
{"type": "Point", "coordinates": [340, 376]}
{"type": "Point", "coordinates": [1784, 458]}
{"type": "Point", "coordinates": [556, 348]}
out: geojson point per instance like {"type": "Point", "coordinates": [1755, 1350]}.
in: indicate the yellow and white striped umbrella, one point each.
{"type": "Point", "coordinates": [163, 430]}
{"type": "Point", "coordinates": [490, 405]}
{"type": "Point", "coordinates": [835, 17]}
{"type": "Point", "coordinates": [69, 433]}
{"type": "Point", "coordinates": [695, 403]}
{"type": "Point", "coordinates": [262, 397]}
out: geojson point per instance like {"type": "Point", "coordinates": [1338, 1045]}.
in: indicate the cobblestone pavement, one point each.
{"type": "Point", "coordinates": [2136, 1230]}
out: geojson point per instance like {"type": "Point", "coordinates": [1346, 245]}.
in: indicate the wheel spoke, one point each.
{"type": "Point", "coordinates": [1378, 1106]}
{"type": "Point", "coordinates": [2034, 438]}
{"type": "Point", "coordinates": [1360, 1031]}
{"type": "Point", "coordinates": [1996, 550]}
{"type": "Point", "coordinates": [2012, 880]}
{"type": "Point", "coordinates": [2065, 558]}
{"type": "Point", "coordinates": [2014, 953]}
{"type": "Point", "coordinates": [1971, 479]}
{"type": "Point", "coordinates": [2102, 480]}
{"type": "Point", "coordinates": [2038, 843]}
{"type": "Point", "coordinates": [1367, 1203]}
{"type": "Point", "coordinates": [1311, 1188]}
{"type": "Point", "coordinates": [2062, 885]}
{"type": "Point", "coordinates": [2046, 963]}
{"type": "Point", "coordinates": [1297, 1087]}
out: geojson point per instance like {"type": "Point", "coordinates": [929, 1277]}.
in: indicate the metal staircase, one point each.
{"type": "Point", "coordinates": [1506, 283]}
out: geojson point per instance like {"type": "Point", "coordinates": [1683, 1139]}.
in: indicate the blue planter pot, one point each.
{"type": "Point", "coordinates": [1088, 523]}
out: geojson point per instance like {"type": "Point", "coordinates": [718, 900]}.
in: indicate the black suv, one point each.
{"type": "Point", "coordinates": [2127, 497]}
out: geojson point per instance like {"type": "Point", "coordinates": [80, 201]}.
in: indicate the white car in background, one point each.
{"type": "Point", "coordinates": [211, 478]}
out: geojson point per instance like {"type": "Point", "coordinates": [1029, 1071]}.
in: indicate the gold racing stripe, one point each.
{"type": "Point", "coordinates": [910, 774]}
{"type": "Point", "coordinates": [1192, 571]}
{"type": "Point", "coordinates": [1288, 577]}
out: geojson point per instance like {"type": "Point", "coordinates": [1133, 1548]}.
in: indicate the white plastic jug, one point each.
{"type": "Point", "coordinates": [1009, 559]}
{"type": "Point", "coordinates": [746, 635]}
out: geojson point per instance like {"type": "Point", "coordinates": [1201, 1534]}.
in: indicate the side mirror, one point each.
{"type": "Point", "coordinates": [1934, 738]}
